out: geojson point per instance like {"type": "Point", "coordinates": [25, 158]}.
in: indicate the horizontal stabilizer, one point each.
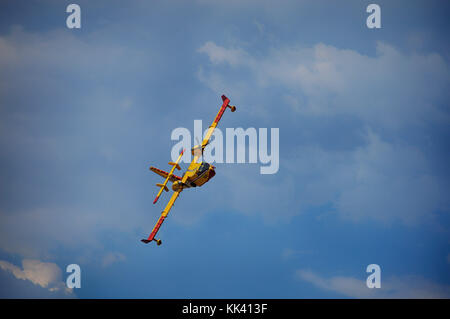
{"type": "Point", "coordinates": [175, 164]}
{"type": "Point", "coordinates": [164, 174]}
{"type": "Point", "coordinates": [162, 185]}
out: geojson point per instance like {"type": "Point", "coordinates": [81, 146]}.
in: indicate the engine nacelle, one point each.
{"type": "Point", "coordinates": [177, 186]}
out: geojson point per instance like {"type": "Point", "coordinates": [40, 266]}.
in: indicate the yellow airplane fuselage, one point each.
{"type": "Point", "coordinates": [197, 175]}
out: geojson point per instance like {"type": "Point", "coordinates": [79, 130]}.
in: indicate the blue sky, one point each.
{"type": "Point", "coordinates": [364, 121]}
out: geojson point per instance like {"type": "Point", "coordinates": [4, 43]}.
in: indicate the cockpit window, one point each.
{"type": "Point", "coordinates": [203, 167]}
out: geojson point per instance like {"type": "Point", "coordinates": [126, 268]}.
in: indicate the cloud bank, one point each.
{"type": "Point", "coordinates": [380, 166]}
{"type": "Point", "coordinates": [411, 287]}
{"type": "Point", "coordinates": [44, 274]}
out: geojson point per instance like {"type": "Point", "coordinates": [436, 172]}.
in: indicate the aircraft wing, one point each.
{"type": "Point", "coordinates": [161, 219]}
{"type": "Point", "coordinates": [197, 151]}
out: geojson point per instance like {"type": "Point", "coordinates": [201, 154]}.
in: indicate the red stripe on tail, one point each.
{"type": "Point", "coordinates": [222, 109]}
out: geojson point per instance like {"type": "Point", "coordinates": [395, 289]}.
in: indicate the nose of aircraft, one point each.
{"type": "Point", "coordinates": [212, 172]}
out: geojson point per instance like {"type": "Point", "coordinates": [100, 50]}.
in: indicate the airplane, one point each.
{"type": "Point", "coordinates": [196, 175]}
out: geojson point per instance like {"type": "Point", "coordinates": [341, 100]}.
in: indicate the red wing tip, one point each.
{"type": "Point", "coordinates": [224, 97]}
{"type": "Point", "coordinates": [156, 199]}
{"type": "Point", "coordinates": [145, 241]}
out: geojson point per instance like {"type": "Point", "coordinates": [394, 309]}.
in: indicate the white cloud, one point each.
{"type": "Point", "coordinates": [378, 181]}
{"type": "Point", "coordinates": [217, 54]}
{"type": "Point", "coordinates": [381, 181]}
{"type": "Point", "coordinates": [394, 287]}
{"type": "Point", "coordinates": [387, 182]}
{"type": "Point", "coordinates": [387, 178]}
{"type": "Point", "coordinates": [111, 258]}
{"type": "Point", "coordinates": [47, 275]}
{"type": "Point", "coordinates": [390, 89]}
{"type": "Point", "coordinates": [35, 67]}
